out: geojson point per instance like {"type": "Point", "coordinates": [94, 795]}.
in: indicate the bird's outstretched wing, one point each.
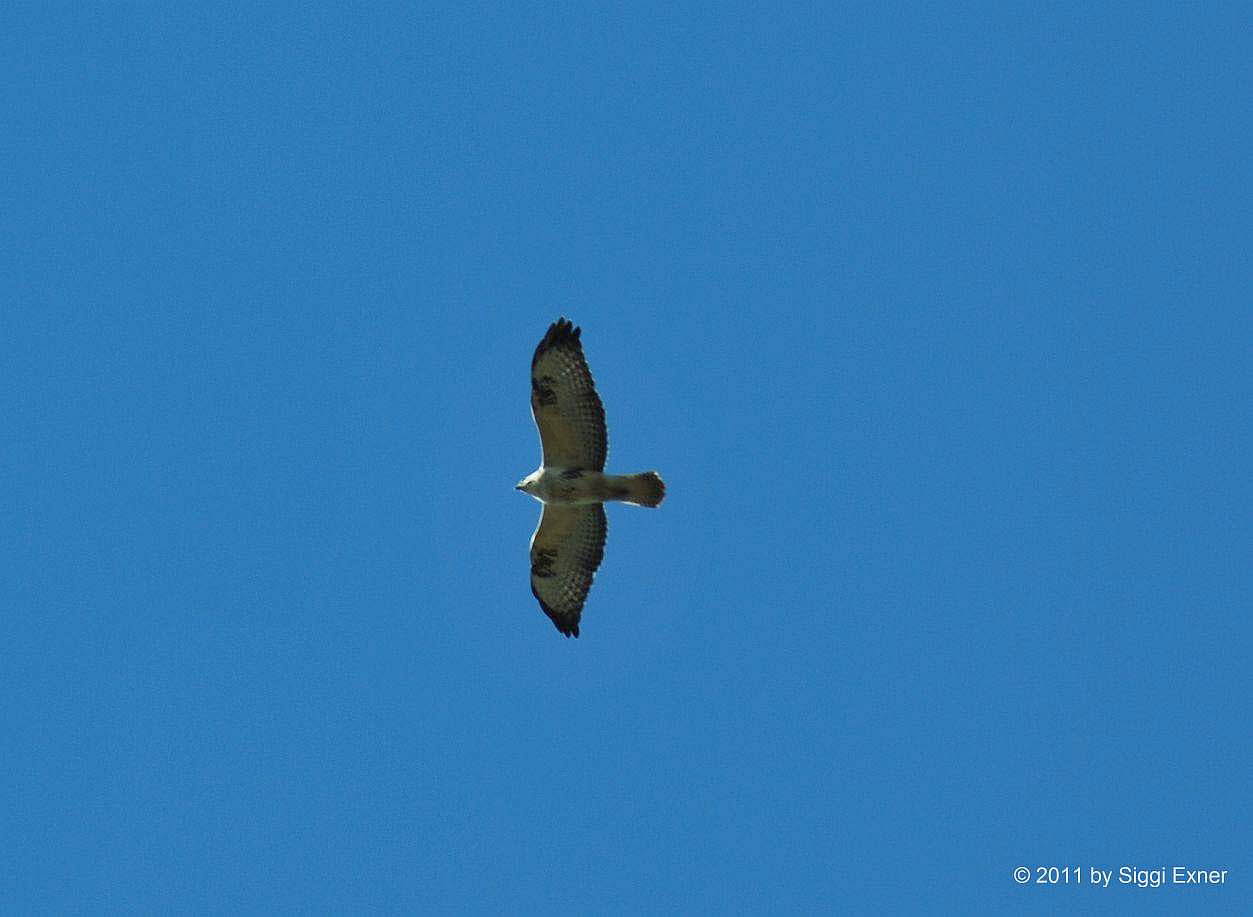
{"type": "Point", "coordinates": [566, 549]}
{"type": "Point", "coordinates": [567, 410]}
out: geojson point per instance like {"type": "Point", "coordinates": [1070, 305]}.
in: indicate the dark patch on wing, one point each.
{"type": "Point", "coordinates": [567, 410]}
{"type": "Point", "coordinates": [542, 392]}
{"type": "Point", "coordinates": [571, 474]}
{"type": "Point", "coordinates": [565, 554]}
{"type": "Point", "coordinates": [542, 563]}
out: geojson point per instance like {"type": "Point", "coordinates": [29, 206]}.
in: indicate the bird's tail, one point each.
{"type": "Point", "coordinates": [644, 489]}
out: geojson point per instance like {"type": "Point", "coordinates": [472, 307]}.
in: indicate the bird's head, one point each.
{"type": "Point", "coordinates": [527, 484]}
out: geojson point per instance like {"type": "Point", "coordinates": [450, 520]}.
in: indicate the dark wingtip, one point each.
{"type": "Point", "coordinates": [563, 329]}
{"type": "Point", "coordinates": [569, 629]}
{"type": "Point", "coordinates": [560, 333]}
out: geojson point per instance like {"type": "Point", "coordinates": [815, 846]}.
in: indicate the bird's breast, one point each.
{"type": "Point", "coordinates": [570, 486]}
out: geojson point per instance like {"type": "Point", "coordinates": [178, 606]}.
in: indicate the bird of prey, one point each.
{"type": "Point", "coordinates": [569, 543]}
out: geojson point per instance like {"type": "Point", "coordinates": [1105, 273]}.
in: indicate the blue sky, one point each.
{"type": "Point", "coordinates": [935, 321]}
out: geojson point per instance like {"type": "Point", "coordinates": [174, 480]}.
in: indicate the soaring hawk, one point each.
{"type": "Point", "coordinates": [569, 543]}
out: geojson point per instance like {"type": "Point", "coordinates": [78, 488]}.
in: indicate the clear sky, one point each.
{"type": "Point", "coordinates": [934, 319]}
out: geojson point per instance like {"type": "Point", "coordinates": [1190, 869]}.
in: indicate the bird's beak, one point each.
{"type": "Point", "coordinates": [517, 486]}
